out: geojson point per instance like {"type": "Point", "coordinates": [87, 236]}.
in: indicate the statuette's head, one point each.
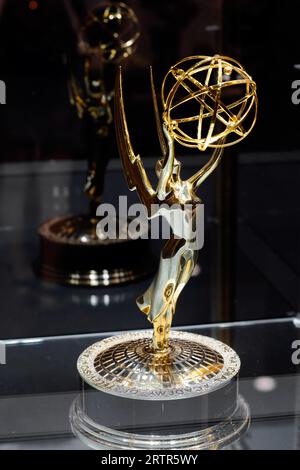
{"type": "Point", "coordinates": [208, 102]}
{"type": "Point", "coordinates": [111, 29]}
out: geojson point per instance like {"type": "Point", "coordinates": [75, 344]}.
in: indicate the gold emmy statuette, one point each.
{"type": "Point", "coordinates": [208, 102]}
{"type": "Point", "coordinates": [72, 252]}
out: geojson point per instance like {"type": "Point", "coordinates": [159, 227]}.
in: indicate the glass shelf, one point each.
{"type": "Point", "coordinates": [39, 382]}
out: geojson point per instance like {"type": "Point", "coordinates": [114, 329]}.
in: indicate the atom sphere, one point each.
{"type": "Point", "coordinates": [209, 102]}
{"type": "Point", "coordinates": [111, 29]}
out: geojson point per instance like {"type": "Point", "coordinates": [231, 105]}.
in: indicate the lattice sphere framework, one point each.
{"type": "Point", "coordinates": [111, 29]}
{"type": "Point", "coordinates": [209, 102]}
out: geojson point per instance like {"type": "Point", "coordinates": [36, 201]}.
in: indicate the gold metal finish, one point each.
{"type": "Point", "coordinates": [126, 365]}
{"type": "Point", "coordinates": [165, 364]}
{"type": "Point", "coordinates": [93, 277]}
{"type": "Point", "coordinates": [108, 36]}
{"type": "Point", "coordinates": [111, 30]}
{"type": "Point", "coordinates": [207, 102]}
{"type": "Point", "coordinates": [222, 94]}
{"type": "Point", "coordinates": [74, 254]}
{"type": "Point", "coordinates": [92, 98]}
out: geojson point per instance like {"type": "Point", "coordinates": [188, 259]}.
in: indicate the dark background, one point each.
{"type": "Point", "coordinates": [249, 269]}
{"type": "Point", "coordinates": [35, 44]}
{"type": "Point", "coordinates": [250, 261]}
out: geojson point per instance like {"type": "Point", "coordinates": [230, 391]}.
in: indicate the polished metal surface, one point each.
{"type": "Point", "coordinates": [107, 36]}
{"type": "Point", "coordinates": [217, 119]}
{"type": "Point", "coordinates": [79, 230]}
{"type": "Point", "coordinates": [174, 365]}
{"type": "Point", "coordinates": [73, 252]}
{"type": "Point", "coordinates": [91, 278]}
{"type": "Point", "coordinates": [126, 365]}
{"type": "Point", "coordinates": [111, 30]}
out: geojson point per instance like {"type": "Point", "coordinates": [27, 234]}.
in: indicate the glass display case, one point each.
{"type": "Point", "coordinates": [244, 290]}
{"type": "Point", "coordinates": [36, 413]}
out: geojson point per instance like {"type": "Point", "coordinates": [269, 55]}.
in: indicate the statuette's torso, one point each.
{"type": "Point", "coordinates": [201, 84]}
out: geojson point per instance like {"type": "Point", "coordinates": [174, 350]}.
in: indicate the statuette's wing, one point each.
{"type": "Point", "coordinates": [161, 138]}
{"type": "Point", "coordinates": [133, 167]}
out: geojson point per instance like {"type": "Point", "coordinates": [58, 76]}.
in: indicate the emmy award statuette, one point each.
{"type": "Point", "coordinates": [166, 389]}
{"type": "Point", "coordinates": [71, 249]}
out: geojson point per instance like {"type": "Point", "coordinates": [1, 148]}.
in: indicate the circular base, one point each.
{"type": "Point", "coordinates": [125, 366]}
{"type": "Point", "coordinates": [91, 278]}
{"type": "Point", "coordinates": [216, 436]}
{"type": "Point", "coordinates": [71, 253]}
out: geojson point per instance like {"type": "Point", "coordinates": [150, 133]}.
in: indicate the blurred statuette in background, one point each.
{"type": "Point", "coordinates": [71, 250]}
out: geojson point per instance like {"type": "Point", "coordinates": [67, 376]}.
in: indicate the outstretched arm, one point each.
{"type": "Point", "coordinates": [160, 133]}
{"type": "Point", "coordinates": [133, 167]}
{"type": "Point", "coordinates": [166, 165]}
{"type": "Point", "coordinates": [167, 168]}
{"type": "Point", "coordinates": [198, 178]}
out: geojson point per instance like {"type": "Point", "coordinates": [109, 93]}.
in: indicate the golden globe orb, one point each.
{"type": "Point", "coordinates": [208, 102]}
{"type": "Point", "coordinates": [111, 30]}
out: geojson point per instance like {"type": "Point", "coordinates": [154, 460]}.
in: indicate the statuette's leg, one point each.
{"type": "Point", "coordinates": [161, 331]}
